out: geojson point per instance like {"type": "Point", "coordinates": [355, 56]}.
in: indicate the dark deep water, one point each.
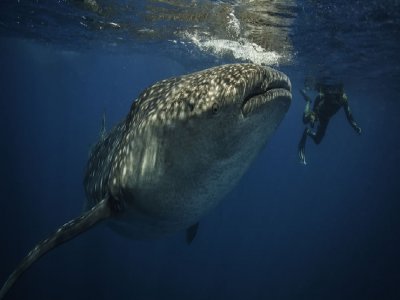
{"type": "Point", "coordinates": [328, 230]}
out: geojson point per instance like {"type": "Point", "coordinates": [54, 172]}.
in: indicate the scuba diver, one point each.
{"type": "Point", "coordinates": [330, 99]}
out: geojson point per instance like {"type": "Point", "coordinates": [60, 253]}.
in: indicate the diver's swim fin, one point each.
{"type": "Point", "coordinates": [65, 233]}
{"type": "Point", "coordinates": [302, 147]}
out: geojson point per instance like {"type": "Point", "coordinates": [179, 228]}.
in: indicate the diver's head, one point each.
{"type": "Point", "coordinates": [330, 88]}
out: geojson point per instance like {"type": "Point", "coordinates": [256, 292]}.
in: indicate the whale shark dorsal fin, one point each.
{"type": "Point", "coordinates": [102, 134]}
{"type": "Point", "coordinates": [66, 232]}
{"type": "Point", "coordinates": [103, 130]}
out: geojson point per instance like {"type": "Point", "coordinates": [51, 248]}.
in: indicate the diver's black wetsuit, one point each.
{"type": "Point", "coordinates": [325, 106]}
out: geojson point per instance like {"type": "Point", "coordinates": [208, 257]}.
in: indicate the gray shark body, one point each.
{"type": "Point", "coordinates": [184, 144]}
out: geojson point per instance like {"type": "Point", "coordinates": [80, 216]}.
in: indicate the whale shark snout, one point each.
{"type": "Point", "coordinates": [274, 86]}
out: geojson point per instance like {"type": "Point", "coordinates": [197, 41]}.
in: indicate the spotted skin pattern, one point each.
{"type": "Point", "coordinates": [184, 144]}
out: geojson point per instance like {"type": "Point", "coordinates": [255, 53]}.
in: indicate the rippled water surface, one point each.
{"type": "Point", "coordinates": [335, 37]}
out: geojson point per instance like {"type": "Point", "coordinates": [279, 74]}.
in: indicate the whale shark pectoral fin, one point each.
{"type": "Point", "coordinates": [191, 233]}
{"type": "Point", "coordinates": [66, 232]}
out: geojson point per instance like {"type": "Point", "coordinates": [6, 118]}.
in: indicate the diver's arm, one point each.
{"type": "Point", "coordinates": [349, 115]}
{"type": "Point", "coordinates": [305, 96]}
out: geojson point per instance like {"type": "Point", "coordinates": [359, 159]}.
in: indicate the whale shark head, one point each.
{"type": "Point", "coordinates": [232, 95]}
{"type": "Point", "coordinates": [187, 140]}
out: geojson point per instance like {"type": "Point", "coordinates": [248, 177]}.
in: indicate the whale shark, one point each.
{"type": "Point", "coordinates": [185, 142]}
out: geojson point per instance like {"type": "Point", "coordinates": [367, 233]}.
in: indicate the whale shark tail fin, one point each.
{"type": "Point", "coordinates": [66, 232]}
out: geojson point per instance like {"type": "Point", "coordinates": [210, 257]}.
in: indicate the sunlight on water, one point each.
{"type": "Point", "coordinates": [241, 50]}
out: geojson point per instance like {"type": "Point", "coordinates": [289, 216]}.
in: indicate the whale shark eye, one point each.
{"type": "Point", "coordinates": [215, 108]}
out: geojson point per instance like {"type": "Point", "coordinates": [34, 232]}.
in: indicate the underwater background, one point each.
{"type": "Point", "coordinates": [327, 230]}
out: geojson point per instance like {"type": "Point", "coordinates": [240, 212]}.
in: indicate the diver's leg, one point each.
{"type": "Point", "coordinates": [307, 111]}
{"type": "Point", "coordinates": [302, 146]}
{"type": "Point", "coordinates": [306, 116]}
{"type": "Point", "coordinates": [318, 136]}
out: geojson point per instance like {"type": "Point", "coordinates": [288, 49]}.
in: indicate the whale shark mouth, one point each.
{"type": "Point", "coordinates": [279, 89]}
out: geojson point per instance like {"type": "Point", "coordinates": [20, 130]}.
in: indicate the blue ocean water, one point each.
{"type": "Point", "coordinates": [328, 230]}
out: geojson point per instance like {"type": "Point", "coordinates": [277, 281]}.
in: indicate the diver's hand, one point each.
{"type": "Point", "coordinates": [357, 129]}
